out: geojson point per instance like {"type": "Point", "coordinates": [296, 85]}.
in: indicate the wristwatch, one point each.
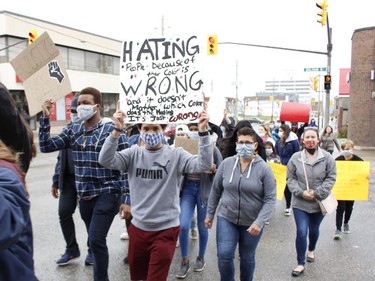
{"type": "Point", "coordinates": [202, 134]}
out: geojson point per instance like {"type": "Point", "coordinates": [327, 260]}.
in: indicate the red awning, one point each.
{"type": "Point", "coordinates": [295, 112]}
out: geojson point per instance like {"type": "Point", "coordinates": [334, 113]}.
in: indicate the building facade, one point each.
{"type": "Point", "coordinates": [90, 60]}
{"type": "Point", "coordinates": [361, 124]}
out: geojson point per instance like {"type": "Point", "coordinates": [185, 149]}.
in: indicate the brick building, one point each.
{"type": "Point", "coordinates": [361, 121]}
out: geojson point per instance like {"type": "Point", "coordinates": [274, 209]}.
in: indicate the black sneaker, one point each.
{"type": "Point", "coordinates": [199, 264]}
{"type": "Point", "coordinates": [67, 258]}
{"type": "Point", "coordinates": [183, 271]}
{"type": "Point", "coordinates": [89, 259]}
{"type": "Point", "coordinates": [126, 260]}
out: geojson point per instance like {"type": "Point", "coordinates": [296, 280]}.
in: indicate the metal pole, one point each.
{"type": "Point", "coordinates": [329, 56]}
{"type": "Point", "coordinates": [236, 103]}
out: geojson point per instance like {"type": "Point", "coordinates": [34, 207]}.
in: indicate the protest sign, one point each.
{"type": "Point", "coordinates": [352, 180]}
{"type": "Point", "coordinates": [160, 80]}
{"type": "Point", "coordinates": [40, 66]}
{"type": "Point", "coordinates": [279, 172]}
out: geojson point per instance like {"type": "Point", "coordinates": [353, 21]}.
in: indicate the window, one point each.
{"type": "Point", "coordinates": [76, 59]}
{"type": "Point", "coordinates": [92, 62]}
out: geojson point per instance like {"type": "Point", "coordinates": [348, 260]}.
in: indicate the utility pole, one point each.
{"type": "Point", "coordinates": [236, 103]}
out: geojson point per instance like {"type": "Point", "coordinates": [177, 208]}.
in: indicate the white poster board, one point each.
{"type": "Point", "coordinates": [41, 68]}
{"type": "Point", "coordinates": [160, 80]}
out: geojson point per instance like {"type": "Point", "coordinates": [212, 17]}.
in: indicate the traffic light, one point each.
{"type": "Point", "coordinates": [212, 44]}
{"type": "Point", "coordinates": [323, 13]}
{"type": "Point", "coordinates": [327, 82]}
{"type": "Point", "coordinates": [314, 83]}
{"type": "Point", "coordinates": [33, 35]}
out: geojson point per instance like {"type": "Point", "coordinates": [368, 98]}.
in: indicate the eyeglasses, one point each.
{"type": "Point", "coordinates": [245, 142]}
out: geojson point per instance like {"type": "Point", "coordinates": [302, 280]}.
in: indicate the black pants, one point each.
{"type": "Point", "coordinates": [67, 206]}
{"type": "Point", "coordinates": [343, 207]}
{"type": "Point", "coordinates": [288, 196]}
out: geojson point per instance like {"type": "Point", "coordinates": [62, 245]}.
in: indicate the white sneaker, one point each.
{"type": "Point", "coordinates": [287, 212]}
{"type": "Point", "coordinates": [178, 243]}
{"type": "Point", "coordinates": [124, 236]}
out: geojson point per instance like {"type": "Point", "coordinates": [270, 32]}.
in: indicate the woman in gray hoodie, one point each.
{"type": "Point", "coordinates": [245, 186]}
{"type": "Point", "coordinates": [311, 175]}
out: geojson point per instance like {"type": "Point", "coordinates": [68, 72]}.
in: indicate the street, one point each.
{"type": "Point", "coordinates": [348, 259]}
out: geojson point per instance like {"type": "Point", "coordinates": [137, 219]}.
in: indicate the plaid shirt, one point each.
{"type": "Point", "coordinates": [92, 179]}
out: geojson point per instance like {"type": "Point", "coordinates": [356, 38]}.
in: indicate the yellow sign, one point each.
{"type": "Point", "coordinates": [280, 175]}
{"type": "Point", "coordinates": [352, 180]}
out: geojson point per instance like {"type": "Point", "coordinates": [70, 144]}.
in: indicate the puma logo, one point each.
{"type": "Point", "coordinates": [164, 167]}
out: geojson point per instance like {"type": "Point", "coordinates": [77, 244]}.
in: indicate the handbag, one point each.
{"type": "Point", "coordinates": [328, 204]}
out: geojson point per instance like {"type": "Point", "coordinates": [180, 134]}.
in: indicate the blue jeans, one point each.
{"type": "Point", "coordinates": [306, 224]}
{"type": "Point", "coordinates": [228, 235]}
{"type": "Point", "coordinates": [191, 197]}
{"type": "Point", "coordinates": [98, 214]}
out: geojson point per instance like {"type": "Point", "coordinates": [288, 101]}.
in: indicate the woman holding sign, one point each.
{"type": "Point", "coordinates": [311, 175]}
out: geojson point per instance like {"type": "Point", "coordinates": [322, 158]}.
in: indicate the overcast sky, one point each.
{"type": "Point", "coordinates": [289, 24]}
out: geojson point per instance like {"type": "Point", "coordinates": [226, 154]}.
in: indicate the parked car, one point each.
{"type": "Point", "coordinates": [256, 120]}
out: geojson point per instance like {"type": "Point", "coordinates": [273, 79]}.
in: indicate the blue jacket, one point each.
{"type": "Point", "coordinates": [291, 146]}
{"type": "Point", "coordinates": [16, 238]}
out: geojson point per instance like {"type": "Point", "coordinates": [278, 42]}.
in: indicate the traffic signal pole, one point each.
{"type": "Point", "coordinates": [329, 57]}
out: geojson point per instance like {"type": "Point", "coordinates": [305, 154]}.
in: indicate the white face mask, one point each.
{"type": "Point", "coordinates": [86, 111]}
{"type": "Point", "coordinates": [280, 134]}
{"type": "Point", "coordinates": [74, 117]}
{"type": "Point", "coordinates": [261, 134]}
{"type": "Point", "coordinates": [269, 151]}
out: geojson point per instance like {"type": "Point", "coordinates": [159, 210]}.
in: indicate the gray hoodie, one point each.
{"type": "Point", "coordinates": [321, 176]}
{"type": "Point", "coordinates": [245, 199]}
{"type": "Point", "coordinates": [153, 179]}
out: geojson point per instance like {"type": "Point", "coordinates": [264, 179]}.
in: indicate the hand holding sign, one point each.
{"type": "Point", "coordinates": [118, 116]}
{"type": "Point", "coordinates": [47, 107]}
{"type": "Point", "coordinates": [203, 121]}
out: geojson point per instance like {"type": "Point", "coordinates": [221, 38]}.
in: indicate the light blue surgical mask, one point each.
{"type": "Point", "coordinates": [245, 150]}
{"type": "Point", "coordinates": [74, 117]}
{"type": "Point", "coordinates": [347, 152]}
{"type": "Point", "coordinates": [194, 135]}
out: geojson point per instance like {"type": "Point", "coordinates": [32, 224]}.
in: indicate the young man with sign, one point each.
{"type": "Point", "coordinates": [154, 173]}
{"type": "Point", "coordinates": [99, 189]}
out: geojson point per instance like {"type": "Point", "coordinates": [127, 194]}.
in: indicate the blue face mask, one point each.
{"type": "Point", "coordinates": [245, 150]}
{"type": "Point", "coordinates": [347, 153]}
{"type": "Point", "coordinates": [151, 139]}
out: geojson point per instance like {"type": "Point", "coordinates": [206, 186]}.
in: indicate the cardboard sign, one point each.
{"type": "Point", "coordinates": [41, 68]}
{"type": "Point", "coordinates": [160, 80]}
{"type": "Point", "coordinates": [187, 144]}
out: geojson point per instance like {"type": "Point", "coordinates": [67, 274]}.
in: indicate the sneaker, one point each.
{"type": "Point", "coordinates": [183, 271]}
{"type": "Point", "coordinates": [124, 236]}
{"type": "Point", "coordinates": [67, 258]}
{"type": "Point", "coordinates": [346, 228]}
{"type": "Point", "coordinates": [337, 235]}
{"type": "Point", "coordinates": [193, 234]}
{"type": "Point", "coordinates": [267, 222]}
{"type": "Point", "coordinates": [89, 259]}
{"type": "Point", "coordinates": [287, 212]}
{"type": "Point", "coordinates": [178, 243]}
{"type": "Point", "coordinates": [199, 264]}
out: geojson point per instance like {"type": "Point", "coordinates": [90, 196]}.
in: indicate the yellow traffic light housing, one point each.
{"type": "Point", "coordinates": [323, 13]}
{"type": "Point", "coordinates": [33, 35]}
{"type": "Point", "coordinates": [212, 44]}
{"type": "Point", "coordinates": [314, 83]}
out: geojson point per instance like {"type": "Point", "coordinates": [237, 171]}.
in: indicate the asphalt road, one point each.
{"type": "Point", "coordinates": [348, 259]}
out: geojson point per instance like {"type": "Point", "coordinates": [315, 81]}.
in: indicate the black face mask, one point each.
{"type": "Point", "coordinates": [311, 151]}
